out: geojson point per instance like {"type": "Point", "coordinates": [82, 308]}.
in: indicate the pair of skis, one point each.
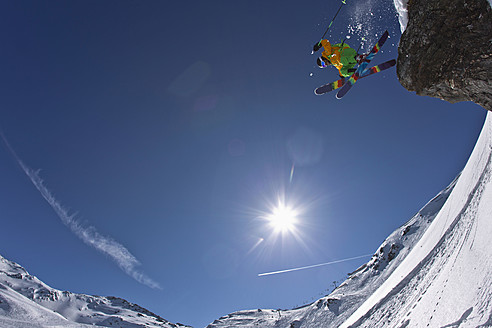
{"type": "Point", "coordinates": [339, 83]}
{"type": "Point", "coordinates": [362, 71]}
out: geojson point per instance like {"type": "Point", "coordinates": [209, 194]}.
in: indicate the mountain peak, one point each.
{"type": "Point", "coordinates": [22, 293]}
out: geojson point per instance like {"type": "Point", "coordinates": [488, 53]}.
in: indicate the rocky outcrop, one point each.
{"type": "Point", "coordinates": [446, 50]}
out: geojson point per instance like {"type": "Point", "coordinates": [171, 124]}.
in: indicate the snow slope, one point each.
{"type": "Point", "coordinates": [434, 271]}
{"type": "Point", "coordinates": [402, 10]}
{"type": "Point", "coordinates": [447, 277]}
{"type": "Point", "coordinates": [25, 301]}
{"type": "Point", "coordinates": [18, 311]}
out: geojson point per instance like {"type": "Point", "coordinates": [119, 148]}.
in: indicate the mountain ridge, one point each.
{"type": "Point", "coordinates": [78, 310]}
{"type": "Point", "coordinates": [435, 270]}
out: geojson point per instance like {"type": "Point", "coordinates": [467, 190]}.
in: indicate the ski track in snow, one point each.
{"type": "Point", "coordinates": [464, 205]}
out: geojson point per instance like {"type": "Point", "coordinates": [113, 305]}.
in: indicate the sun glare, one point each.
{"type": "Point", "coordinates": [283, 218]}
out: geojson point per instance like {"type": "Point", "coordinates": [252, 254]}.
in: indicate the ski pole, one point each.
{"type": "Point", "coordinates": [318, 44]}
{"type": "Point", "coordinates": [343, 42]}
{"type": "Point", "coordinates": [360, 45]}
{"type": "Point", "coordinates": [341, 46]}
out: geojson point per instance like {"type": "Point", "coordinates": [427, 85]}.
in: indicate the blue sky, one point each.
{"type": "Point", "coordinates": [172, 127]}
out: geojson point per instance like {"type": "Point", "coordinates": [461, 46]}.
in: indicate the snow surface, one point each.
{"type": "Point", "coordinates": [18, 311]}
{"type": "Point", "coordinates": [448, 273]}
{"type": "Point", "coordinates": [401, 8]}
{"type": "Point", "coordinates": [27, 302]}
{"type": "Point", "coordinates": [434, 271]}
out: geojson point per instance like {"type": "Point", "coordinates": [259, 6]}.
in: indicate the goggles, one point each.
{"type": "Point", "coordinates": [321, 63]}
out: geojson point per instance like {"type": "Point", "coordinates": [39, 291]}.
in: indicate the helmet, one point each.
{"type": "Point", "coordinates": [321, 63]}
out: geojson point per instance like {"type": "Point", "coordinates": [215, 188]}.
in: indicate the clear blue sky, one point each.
{"type": "Point", "coordinates": [172, 126]}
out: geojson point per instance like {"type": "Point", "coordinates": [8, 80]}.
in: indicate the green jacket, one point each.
{"type": "Point", "coordinates": [340, 56]}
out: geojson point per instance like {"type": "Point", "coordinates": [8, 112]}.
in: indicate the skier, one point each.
{"type": "Point", "coordinates": [344, 59]}
{"type": "Point", "coordinates": [339, 55]}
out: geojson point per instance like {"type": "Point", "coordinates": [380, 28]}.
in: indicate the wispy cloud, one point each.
{"type": "Point", "coordinates": [89, 235]}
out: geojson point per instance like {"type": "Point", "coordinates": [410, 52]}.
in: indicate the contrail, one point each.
{"type": "Point", "coordinates": [313, 266]}
{"type": "Point", "coordinates": [89, 235]}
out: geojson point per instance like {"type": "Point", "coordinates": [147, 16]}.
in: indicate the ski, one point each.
{"type": "Point", "coordinates": [329, 87]}
{"type": "Point", "coordinates": [339, 83]}
{"type": "Point", "coordinates": [362, 67]}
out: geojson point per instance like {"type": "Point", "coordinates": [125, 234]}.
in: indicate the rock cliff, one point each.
{"type": "Point", "coordinates": [446, 50]}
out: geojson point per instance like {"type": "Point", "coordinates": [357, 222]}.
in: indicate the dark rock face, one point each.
{"type": "Point", "coordinates": [446, 50]}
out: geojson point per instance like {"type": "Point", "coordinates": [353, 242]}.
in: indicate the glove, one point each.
{"type": "Point", "coordinates": [317, 46]}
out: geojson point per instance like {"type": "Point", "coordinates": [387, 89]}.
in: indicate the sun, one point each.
{"type": "Point", "coordinates": [283, 218]}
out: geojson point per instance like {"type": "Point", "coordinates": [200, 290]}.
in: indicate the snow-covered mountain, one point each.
{"type": "Point", "coordinates": [27, 302]}
{"type": "Point", "coordinates": [434, 271]}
